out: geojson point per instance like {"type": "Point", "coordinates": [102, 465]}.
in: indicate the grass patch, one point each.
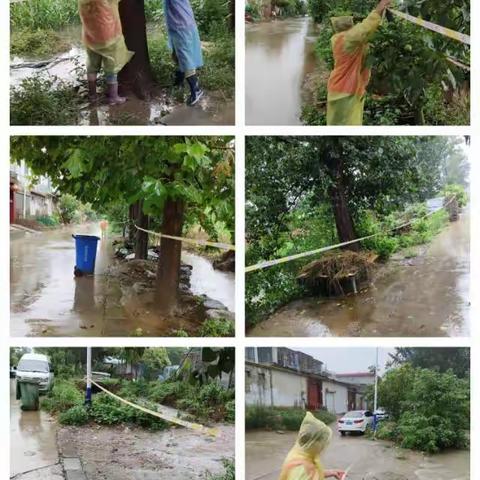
{"type": "Point", "coordinates": [63, 396]}
{"type": "Point", "coordinates": [229, 473]}
{"type": "Point", "coordinates": [37, 43]}
{"type": "Point", "coordinates": [274, 418]}
{"type": "Point", "coordinates": [217, 327]}
{"type": "Point", "coordinates": [39, 101]}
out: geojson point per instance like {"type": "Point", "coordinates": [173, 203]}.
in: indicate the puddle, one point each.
{"type": "Point", "coordinates": [32, 438]}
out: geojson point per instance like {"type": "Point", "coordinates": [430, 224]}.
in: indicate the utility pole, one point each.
{"type": "Point", "coordinates": [88, 394]}
{"type": "Point", "coordinates": [375, 397]}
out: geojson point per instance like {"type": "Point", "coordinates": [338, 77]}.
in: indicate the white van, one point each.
{"type": "Point", "coordinates": [33, 366]}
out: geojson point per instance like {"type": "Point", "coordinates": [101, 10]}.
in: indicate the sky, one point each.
{"type": "Point", "coordinates": [349, 359]}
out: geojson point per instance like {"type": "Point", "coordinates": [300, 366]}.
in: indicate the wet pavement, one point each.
{"type": "Point", "coordinates": [33, 447]}
{"type": "Point", "coordinates": [47, 300]}
{"type": "Point", "coordinates": [367, 459]}
{"type": "Point", "coordinates": [130, 453]}
{"type": "Point", "coordinates": [278, 56]}
{"type": "Point", "coordinates": [426, 295]}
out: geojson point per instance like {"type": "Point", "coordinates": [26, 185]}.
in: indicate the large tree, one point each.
{"type": "Point", "coordinates": [175, 180]}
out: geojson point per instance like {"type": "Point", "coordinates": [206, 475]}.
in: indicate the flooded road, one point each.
{"type": "Point", "coordinates": [369, 460]}
{"type": "Point", "coordinates": [278, 55]}
{"type": "Point", "coordinates": [33, 445]}
{"type": "Point", "coordinates": [426, 295]}
{"type": "Point", "coordinates": [47, 300]}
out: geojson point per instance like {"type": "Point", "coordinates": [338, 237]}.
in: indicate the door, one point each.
{"type": "Point", "coordinates": [314, 394]}
{"type": "Point", "coordinates": [351, 400]}
{"type": "Point", "coordinates": [12, 205]}
{"type": "Point", "coordinates": [330, 402]}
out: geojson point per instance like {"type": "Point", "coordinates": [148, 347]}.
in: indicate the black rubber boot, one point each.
{"type": "Point", "coordinates": [179, 79]}
{"type": "Point", "coordinates": [196, 93]}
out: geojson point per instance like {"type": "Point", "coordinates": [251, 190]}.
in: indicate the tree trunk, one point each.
{"type": "Point", "coordinates": [137, 75]}
{"type": "Point", "coordinates": [131, 225]}
{"type": "Point", "coordinates": [168, 272]}
{"type": "Point", "coordinates": [141, 238]}
{"type": "Point", "coordinates": [232, 15]}
{"type": "Point", "coordinates": [338, 198]}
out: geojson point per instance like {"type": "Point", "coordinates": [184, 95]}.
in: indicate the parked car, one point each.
{"type": "Point", "coordinates": [13, 372]}
{"type": "Point", "coordinates": [33, 366]}
{"type": "Point", "coordinates": [381, 414]}
{"type": "Point", "coordinates": [355, 421]}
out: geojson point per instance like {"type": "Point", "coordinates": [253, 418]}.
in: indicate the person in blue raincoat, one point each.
{"type": "Point", "coordinates": [184, 41]}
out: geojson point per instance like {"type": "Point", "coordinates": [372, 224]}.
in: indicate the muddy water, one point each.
{"type": "Point", "coordinates": [205, 280]}
{"type": "Point", "coordinates": [161, 109]}
{"type": "Point", "coordinates": [32, 438]}
{"type": "Point", "coordinates": [368, 460]}
{"type": "Point", "coordinates": [278, 56]}
{"type": "Point", "coordinates": [134, 453]}
{"type": "Point", "coordinates": [427, 295]}
{"type": "Point", "coordinates": [46, 298]}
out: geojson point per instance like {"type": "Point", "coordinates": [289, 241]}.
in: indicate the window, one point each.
{"type": "Point", "coordinates": [265, 355]}
{"type": "Point", "coordinates": [250, 353]}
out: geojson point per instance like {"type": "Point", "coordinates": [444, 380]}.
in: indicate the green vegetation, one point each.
{"type": "Point", "coordinates": [43, 14]}
{"type": "Point", "coordinates": [217, 327]}
{"type": "Point", "coordinates": [457, 191]}
{"type": "Point", "coordinates": [413, 82]}
{"type": "Point", "coordinates": [44, 101]}
{"type": "Point", "coordinates": [229, 473]}
{"type": "Point", "coordinates": [275, 418]}
{"type": "Point", "coordinates": [37, 43]}
{"type": "Point", "coordinates": [430, 410]}
{"type": "Point", "coordinates": [195, 390]}
{"type": "Point", "coordinates": [359, 187]}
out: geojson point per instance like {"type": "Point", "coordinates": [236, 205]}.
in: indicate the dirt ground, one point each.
{"type": "Point", "coordinates": [426, 295]}
{"type": "Point", "coordinates": [120, 453]}
{"type": "Point", "coordinates": [367, 459]}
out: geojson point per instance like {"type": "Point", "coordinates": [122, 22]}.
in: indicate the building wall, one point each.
{"type": "Point", "coordinates": [335, 397]}
{"type": "Point", "coordinates": [271, 387]}
{"type": "Point", "coordinates": [357, 380]}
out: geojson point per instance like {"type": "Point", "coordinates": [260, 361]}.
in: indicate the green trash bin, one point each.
{"type": "Point", "coordinates": [29, 395]}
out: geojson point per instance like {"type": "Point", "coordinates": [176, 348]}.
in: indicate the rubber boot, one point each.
{"type": "Point", "coordinates": [179, 79]}
{"type": "Point", "coordinates": [92, 87]}
{"type": "Point", "coordinates": [112, 94]}
{"type": "Point", "coordinates": [196, 93]}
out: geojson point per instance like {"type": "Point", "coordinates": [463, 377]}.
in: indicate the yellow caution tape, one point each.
{"type": "Point", "coordinates": [203, 243]}
{"type": "Point", "coordinates": [461, 37]}
{"type": "Point", "coordinates": [213, 432]}
{"type": "Point", "coordinates": [271, 263]}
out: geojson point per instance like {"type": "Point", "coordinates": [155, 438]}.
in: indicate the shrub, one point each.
{"type": "Point", "coordinates": [69, 209]}
{"type": "Point", "coordinates": [41, 101]}
{"type": "Point", "coordinates": [77, 415]}
{"type": "Point", "coordinates": [259, 416]}
{"type": "Point", "coordinates": [217, 327]}
{"type": "Point", "coordinates": [36, 43]}
{"type": "Point", "coordinates": [63, 396]}
{"type": "Point", "coordinates": [458, 191]}
{"type": "Point", "coordinates": [48, 220]}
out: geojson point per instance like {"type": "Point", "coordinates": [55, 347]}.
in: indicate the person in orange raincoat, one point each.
{"type": "Point", "coordinates": [105, 44]}
{"type": "Point", "coordinates": [303, 460]}
{"type": "Point", "coordinates": [349, 79]}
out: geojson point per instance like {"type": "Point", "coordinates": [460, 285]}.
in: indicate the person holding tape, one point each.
{"type": "Point", "coordinates": [303, 460]}
{"type": "Point", "coordinates": [349, 79]}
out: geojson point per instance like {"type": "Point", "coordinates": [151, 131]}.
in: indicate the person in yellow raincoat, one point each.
{"type": "Point", "coordinates": [349, 79]}
{"type": "Point", "coordinates": [303, 460]}
{"type": "Point", "coordinates": [105, 44]}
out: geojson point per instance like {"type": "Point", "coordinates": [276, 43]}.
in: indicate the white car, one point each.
{"type": "Point", "coordinates": [355, 421]}
{"type": "Point", "coordinates": [33, 366]}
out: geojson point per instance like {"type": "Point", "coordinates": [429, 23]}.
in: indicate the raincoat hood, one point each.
{"type": "Point", "coordinates": [340, 24]}
{"type": "Point", "coordinates": [178, 14]}
{"type": "Point", "coordinates": [313, 437]}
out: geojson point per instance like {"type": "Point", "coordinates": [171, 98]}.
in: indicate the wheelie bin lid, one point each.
{"type": "Point", "coordinates": [85, 236]}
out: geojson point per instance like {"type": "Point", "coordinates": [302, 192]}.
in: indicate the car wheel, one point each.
{"type": "Point", "coordinates": [343, 433]}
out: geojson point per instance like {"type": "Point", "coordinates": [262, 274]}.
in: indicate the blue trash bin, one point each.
{"type": "Point", "coordinates": [86, 252]}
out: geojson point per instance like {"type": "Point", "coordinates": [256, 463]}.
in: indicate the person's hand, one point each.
{"type": "Point", "coordinates": [383, 5]}
{"type": "Point", "coordinates": [339, 474]}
